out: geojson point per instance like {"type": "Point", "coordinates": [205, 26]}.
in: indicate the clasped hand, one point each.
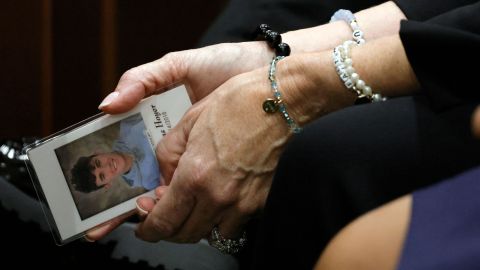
{"type": "Point", "coordinates": [218, 161]}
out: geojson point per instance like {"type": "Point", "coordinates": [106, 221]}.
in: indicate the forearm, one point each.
{"type": "Point", "coordinates": [312, 88]}
{"type": "Point", "coordinates": [375, 22]}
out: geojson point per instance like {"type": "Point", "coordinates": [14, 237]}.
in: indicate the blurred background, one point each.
{"type": "Point", "coordinates": [58, 58]}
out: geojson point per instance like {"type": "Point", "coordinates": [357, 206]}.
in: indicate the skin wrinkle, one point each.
{"type": "Point", "coordinates": [175, 66]}
{"type": "Point", "coordinates": [135, 75]}
{"type": "Point", "coordinates": [294, 75]}
{"type": "Point", "coordinates": [257, 164]}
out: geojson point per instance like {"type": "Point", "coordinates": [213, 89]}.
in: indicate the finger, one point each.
{"type": "Point", "coordinates": [167, 216]}
{"type": "Point", "coordinates": [171, 148]}
{"type": "Point", "coordinates": [476, 122]}
{"type": "Point", "coordinates": [159, 191]}
{"type": "Point", "coordinates": [169, 151]}
{"type": "Point", "coordinates": [101, 231]}
{"type": "Point", "coordinates": [200, 223]}
{"type": "Point", "coordinates": [144, 206]}
{"type": "Point", "coordinates": [143, 81]}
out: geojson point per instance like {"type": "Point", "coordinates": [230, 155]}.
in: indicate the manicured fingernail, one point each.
{"type": "Point", "coordinates": [108, 99]}
{"type": "Point", "coordinates": [140, 209]}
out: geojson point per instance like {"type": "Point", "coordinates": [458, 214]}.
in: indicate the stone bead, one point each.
{"type": "Point", "coordinates": [282, 49]}
{"type": "Point", "coordinates": [260, 32]}
{"type": "Point", "coordinates": [273, 38]}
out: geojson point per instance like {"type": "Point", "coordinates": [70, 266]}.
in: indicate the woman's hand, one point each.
{"type": "Point", "coordinates": [201, 70]}
{"type": "Point", "coordinates": [226, 149]}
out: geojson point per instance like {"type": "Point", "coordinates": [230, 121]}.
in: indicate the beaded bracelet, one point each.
{"type": "Point", "coordinates": [274, 39]}
{"type": "Point", "coordinates": [344, 67]}
{"type": "Point", "coordinates": [272, 105]}
{"type": "Point", "coordinates": [348, 17]}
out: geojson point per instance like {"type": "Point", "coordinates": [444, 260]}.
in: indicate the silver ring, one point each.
{"type": "Point", "coordinates": [227, 245]}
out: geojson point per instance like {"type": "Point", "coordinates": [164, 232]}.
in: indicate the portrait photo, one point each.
{"type": "Point", "coordinates": [109, 166]}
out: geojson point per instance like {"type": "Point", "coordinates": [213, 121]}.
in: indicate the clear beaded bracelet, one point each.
{"type": "Point", "coordinates": [348, 17]}
{"type": "Point", "coordinates": [344, 67]}
{"type": "Point", "coordinates": [272, 105]}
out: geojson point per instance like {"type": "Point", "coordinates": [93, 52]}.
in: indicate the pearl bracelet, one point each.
{"type": "Point", "coordinates": [348, 17]}
{"type": "Point", "coordinates": [344, 67]}
{"type": "Point", "coordinates": [272, 105]}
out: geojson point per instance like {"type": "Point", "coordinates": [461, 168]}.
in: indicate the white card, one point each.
{"type": "Point", "coordinates": [93, 171]}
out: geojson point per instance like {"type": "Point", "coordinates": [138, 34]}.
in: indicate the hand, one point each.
{"type": "Point", "coordinates": [100, 231]}
{"type": "Point", "coordinates": [201, 70]}
{"type": "Point", "coordinates": [229, 149]}
{"type": "Point", "coordinates": [144, 206]}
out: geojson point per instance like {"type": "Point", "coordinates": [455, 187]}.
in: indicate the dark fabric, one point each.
{"type": "Point", "coordinates": [352, 161]}
{"type": "Point", "coordinates": [444, 231]}
{"type": "Point", "coordinates": [442, 51]}
{"type": "Point", "coordinates": [241, 17]}
{"type": "Point", "coordinates": [422, 10]}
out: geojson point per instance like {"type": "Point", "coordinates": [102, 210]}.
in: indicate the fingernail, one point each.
{"type": "Point", "coordinates": [88, 239]}
{"type": "Point", "coordinates": [108, 99]}
{"type": "Point", "coordinates": [140, 209]}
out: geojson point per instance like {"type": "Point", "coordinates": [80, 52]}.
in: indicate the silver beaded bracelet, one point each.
{"type": "Point", "coordinates": [272, 105]}
{"type": "Point", "coordinates": [348, 17]}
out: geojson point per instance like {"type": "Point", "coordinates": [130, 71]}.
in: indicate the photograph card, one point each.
{"type": "Point", "coordinates": [93, 171]}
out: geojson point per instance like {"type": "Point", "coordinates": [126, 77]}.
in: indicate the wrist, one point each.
{"type": "Point", "coordinates": [310, 86]}
{"type": "Point", "coordinates": [313, 39]}
{"type": "Point", "coordinates": [261, 52]}
{"type": "Point", "coordinates": [375, 22]}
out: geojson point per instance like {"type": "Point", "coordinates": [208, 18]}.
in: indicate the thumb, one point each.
{"type": "Point", "coordinates": [171, 148]}
{"type": "Point", "coordinates": [143, 81]}
{"type": "Point", "coordinates": [102, 230]}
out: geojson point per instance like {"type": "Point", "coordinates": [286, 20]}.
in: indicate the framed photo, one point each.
{"type": "Point", "coordinates": [93, 171]}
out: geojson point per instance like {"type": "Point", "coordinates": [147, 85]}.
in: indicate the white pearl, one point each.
{"type": "Point", "coordinates": [354, 77]}
{"type": "Point", "coordinates": [347, 44]}
{"type": "Point", "coordinates": [349, 70]}
{"type": "Point", "coordinates": [360, 84]}
{"type": "Point", "coordinates": [377, 98]}
{"type": "Point", "coordinates": [367, 91]}
{"type": "Point", "coordinates": [348, 62]}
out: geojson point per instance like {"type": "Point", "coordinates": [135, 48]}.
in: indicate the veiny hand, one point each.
{"type": "Point", "coordinates": [228, 148]}
{"type": "Point", "coordinates": [201, 70]}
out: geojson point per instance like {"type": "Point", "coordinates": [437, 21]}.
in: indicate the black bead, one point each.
{"type": "Point", "coordinates": [260, 32]}
{"type": "Point", "coordinates": [282, 49]}
{"type": "Point", "coordinates": [273, 38]}
{"type": "Point", "coordinates": [362, 100]}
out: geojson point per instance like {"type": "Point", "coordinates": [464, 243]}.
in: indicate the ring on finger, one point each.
{"type": "Point", "coordinates": [226, 245]}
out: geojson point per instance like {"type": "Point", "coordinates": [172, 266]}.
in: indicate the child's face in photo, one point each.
{"type": "Point", "coordinates": [108, 166]}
